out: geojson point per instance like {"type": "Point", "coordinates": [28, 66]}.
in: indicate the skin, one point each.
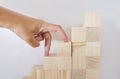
{"type": "Point", "coordinates": [30, 29]}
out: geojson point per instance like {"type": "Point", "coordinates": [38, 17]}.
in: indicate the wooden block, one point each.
{"type": "Point", "coordinates": [93, 49]}
{"type": "Point", "coordinates": [64, 74]}
{"type": "Point", "coordinates": [33, 71]}
{"type": "Point", "coordinates": [78, 49]}
{"type": "Point", "coordinates": [78, 62]}
{"type": "Point", "coordinates": [92, 74]}
{"type": "Point", "coordinates": [26, 77]}
{"type": "Point", "coordinates": [78, 34]}
{"type": "Point", "coordinates": [92, 62]}
{"type": "Point", "coordinates": [40, 73]}
{"type": "Point", "coordinates": [93, 34]}
{"type": "Point", "coordinates": [63, 48]}
{"type": "Point", "coordinates": [92, 19]}
{"type": "Point", "coordinates": [78, 74]}
{"type": "Point", "coordinates": [64, 63]}
{"type": "Point", "coordinates": [51, 74]}
{"type": "Point", "coordinates": [50, 62]}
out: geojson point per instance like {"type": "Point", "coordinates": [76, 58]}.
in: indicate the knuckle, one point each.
{"type": "Point", "coordinates": [31, 42]}
{"type": "Point", "coordinates": [32, 45]}
{"type": "Point", "coordinates": [47, 35]}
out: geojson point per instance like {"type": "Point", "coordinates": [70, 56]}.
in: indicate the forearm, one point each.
{"type": "Point", "coordinates": [10, 19]}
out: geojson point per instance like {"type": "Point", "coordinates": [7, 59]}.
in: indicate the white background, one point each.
{"type": "Point", "coordinates": [17, 57]}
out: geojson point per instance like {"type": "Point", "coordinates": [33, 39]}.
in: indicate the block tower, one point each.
{"type": "Point", "coordinates": [76, 59]}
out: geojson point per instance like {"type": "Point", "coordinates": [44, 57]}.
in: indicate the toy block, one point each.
{"type": "Point", "coordinates": [78, 74]}
{"type": "Point", "coordinates": [92, 62]}
{"type": "Point", "coordinates": [50, 62]}
{"type": "Point", "coordinates": [33, 71]}
{"type": "Point", "coordinates": [64, 63]}
{"type": "Point", "coordinates": [78, 34]}
{"type": "Point", "coordinates": [50, 74]}
{"type": "Point", "coordinates": [92, 19]}
{"type": "Point", "coordinates": [92, 74]}
{"type": "Point", "coordinates": [63, 48]}
{"type": "Point", "coordinates": [78, 49]}
{"type": "Point", "coordinates": [93, 49]}
{"type": "Point", "coordinates": [78, 62]}
{"type": "Point", "coordinates": [93, 34]}
{"type": "Point", "coordinates": [40, 73]}
{"type": "Point", "coordinates": [64, 74]}
{"type": "Point", "coordinates": [26, 77]}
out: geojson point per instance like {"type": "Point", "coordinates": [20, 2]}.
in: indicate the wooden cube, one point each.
{"type": "Point", "coordinates": [64, 74]}
{"type": "Point", "coordinates": [92, 62]}
{"type": "Point", "coordinates": [63, 48]}
{"type": "Point", "coordinates": [93, 34]}
{"type": "Point", "coordinates": [40, 72]}
{"type": "Point", "coordinates": [78, 74]}
{"type": "Point", "coordinates": [92, 19]}
{"type": "Point", "coordinates": [78, 62]}
{"type": "Point", "coordinates": [33, 71]}
{"type": "Point", "coordinates": [51, 74]}
{"type": "Point", "coordinates": [78, 49]}
{"type": "Point", "coordinates": [92, 74]}
{"type": "Point", "coordinates": [50, 62]}
{"type": "Point", "coordinates": [93, 49]}
{"type": "Point", "coordinates": [64, 63]}
{"type": "Point", "coordinates": [78, 34]}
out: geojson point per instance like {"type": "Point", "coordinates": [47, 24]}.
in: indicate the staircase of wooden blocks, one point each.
{"type": "Point", "coordinates": [78, 59]}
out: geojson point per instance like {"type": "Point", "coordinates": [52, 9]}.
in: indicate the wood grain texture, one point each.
{"type": "Point", "coordinates": [93, 34]}
{"type": "Point", "coordinates": [92, 74]}
{"type": "Point", "coordinates": [64, 63]}
{"type": "Point", "coordinates": [50, 62]}
{"type": "Point", "coordinates": [40, 73]}
{"type": "Point", "coordinates": [92, 19]}
{"type": "Point", "coordinates": [78, 62]}
{"type": "Point", "coordinates": [63, 48]}
{"type": "Point", "coordinates": [33, 71]}
{"type": "Point", "coordinates": [78, 34]}
{"type": "Point", "coordinates": [64, 74]}
{"type": "Point", "coordinates": [79, 74]}
{"type": "Point", "coordinates": [78, 49]}
{"type": "Point", "coordinates": [51, 74]}
{"type": "Point", "coordinates": [92, 62]}
{"type": "Point", "coordinates": [93, 49]}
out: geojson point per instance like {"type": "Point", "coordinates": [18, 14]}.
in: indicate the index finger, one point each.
{"type": "Point", "coordinates": [55, 28]}
{"type": "Point", "coordinates": [62, 33]}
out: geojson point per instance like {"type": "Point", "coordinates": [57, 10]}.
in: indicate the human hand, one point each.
{"type": "Point", "coordinates": [37, 31]}
{"type": "Point", "coordinates": [30, 29]}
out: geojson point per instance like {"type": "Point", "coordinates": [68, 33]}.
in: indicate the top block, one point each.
{"type": "Point", "coordinates": [92, 19]}
{"type": "Point", "coordinates": [78, 34]}
{"type": "Point", "coordinates": [50, 62]}
{"type": "Point", "coordinates": [63, 48]}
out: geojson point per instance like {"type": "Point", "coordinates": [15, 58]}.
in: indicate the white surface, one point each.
{"type": "Point", "coordinates": [16, 57]}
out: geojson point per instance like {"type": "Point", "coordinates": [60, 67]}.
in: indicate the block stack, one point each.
{"type": "Point", "coordinates": [76, 59]}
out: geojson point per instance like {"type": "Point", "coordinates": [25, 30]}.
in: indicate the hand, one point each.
{"type": "Point", "coordinates": [33, 34]}
{"type": "Point", "coordinates": [30, 29]}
